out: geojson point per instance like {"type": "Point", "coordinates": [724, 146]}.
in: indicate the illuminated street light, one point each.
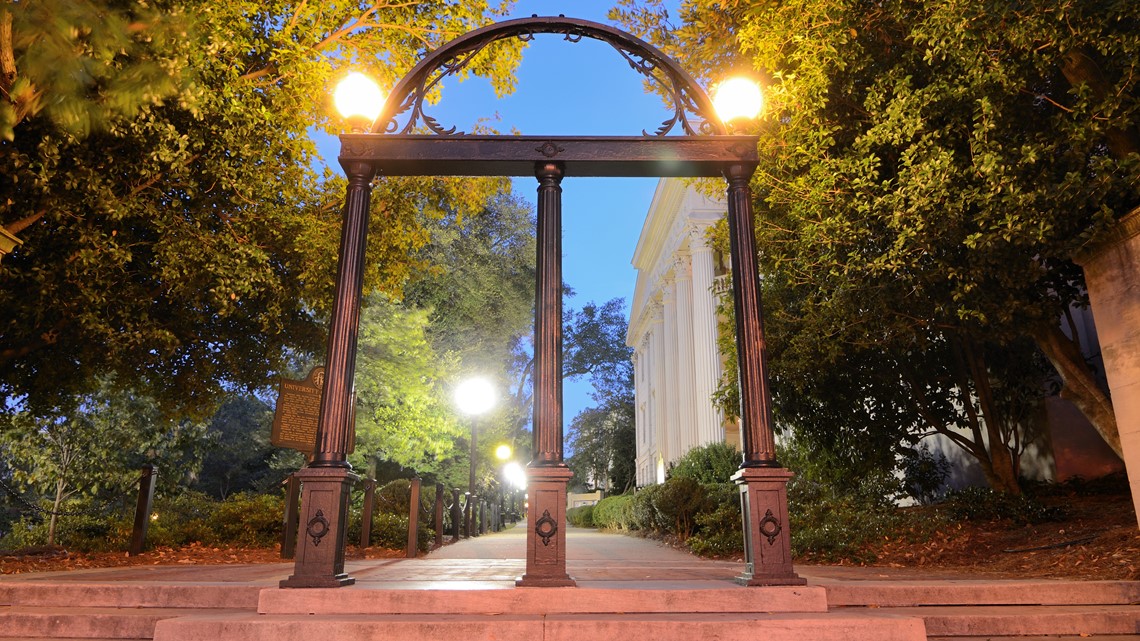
{"type": "Point", "coordinates": [515, 475]}
{"type": "Point", "coordinates": [474, 396]}
{"type": "Point", "coordinates": [738, 99]}
{"type": "Point", "coordinates": [503, 452]}
{"type": "Point", "coordinates": [359, 100]}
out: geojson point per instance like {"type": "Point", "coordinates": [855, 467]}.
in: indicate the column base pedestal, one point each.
{"type": "Point", "coordinates": [546, 529]}
{"type": "Point", "coordinates": [324, 521]}
{"type": "Point", "coordinates": [767, 537]}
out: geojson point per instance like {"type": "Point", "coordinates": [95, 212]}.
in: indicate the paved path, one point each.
{"type": "Point", "coordinates": [496, 560]}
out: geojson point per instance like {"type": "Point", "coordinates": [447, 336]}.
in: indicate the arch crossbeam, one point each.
{"type": "Point", "coordinates": [652, 156]}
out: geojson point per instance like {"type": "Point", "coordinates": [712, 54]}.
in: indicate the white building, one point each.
{"type": "Point", "coordinates": [673, 330]}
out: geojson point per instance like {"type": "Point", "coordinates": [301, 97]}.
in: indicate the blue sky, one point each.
{"type": "Point", "coordinates": [565, 88]}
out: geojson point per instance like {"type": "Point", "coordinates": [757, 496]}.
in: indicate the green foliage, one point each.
{"type": "Point", "coordinates": [242, 520]}
{"type": "Point", "coordinates": [925, 475]}
{"type": "Point", "coordinates": [403, 414]}
{"type": "Point", "coordinates": [985, 504]}
{"type": "Point", "coordinates": [836, 505]}
{"type": "Point", "coordinates": [394, 498]}
{"type": "Point", "coordinates": [927, 171]}
{"type": "Point", "coordinates": [176, 230]}
{"type": "Point", "coordinates": [708, 464]}
{"type": "Point", "coordinates": [643, 514]}
{"type": "Point", "coordinates": [238, 455]}
{"type": "Point", "coordinates": [97, 449]}
{"type": "Point", "coordinates": [602, 438]}
{"type": "Point", "coordinates": [719, 530]}
{"type": "Point", "coordinates": [390, 531]}
{"type": "Point", "coordinates": [478, 297]}
{"type": "Point", "coordinates": [247, 520]}
{"type": "Point", "coordinates": [91, 529]}
{"type": "Point", "coordinates": [581, 516]}
{"type": "Point", "coordinates": [614, 513]}
{"type": "Point", "coordinates": [678, 503]}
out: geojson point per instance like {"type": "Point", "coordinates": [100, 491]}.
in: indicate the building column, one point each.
{"type": "Point", "coordinates": [706, 367]}
{"type": "Point", "coordinates": [672, 406]}
{"type": "Point", "coordinates": [660, 388]}
{"type": "Point", "coordinates": [639, 426]}
{"type": "Point", "coordinates": [1112, 270]}
{"type": "Point", "coordinates": [686, 397]}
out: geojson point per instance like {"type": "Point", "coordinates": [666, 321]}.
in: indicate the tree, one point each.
{"type": "Point", "coordinates": [97, 449]}
{"type": "Point", "coordinates": [238, 455]}
{"type": "Point", "coordinates": [929, 169]}
{"type": "Point", "coordinates": [403, 414]}
{"type": "Point", "coordinates": [479, 293]}
{"type": "Point", "coordinates": [157, 165]}
{"type": "Point", "coordinates": [602, 438]}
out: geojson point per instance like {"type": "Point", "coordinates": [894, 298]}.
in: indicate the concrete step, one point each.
{"type": "Point", "coordinates": [1023, 620]}
{"type": "Point", "coordinates": [127, 595]}
{"type": "Point", "coordinates": [555, 627]}
{"type": "Point", "coordinates": [542, 601]}
{"type": "Point", "coordinates": [63, 622]}
{"type": "Point", "coordinates": [1041, 592]}
{"type": "Point", "coordinates": [1046, 637]}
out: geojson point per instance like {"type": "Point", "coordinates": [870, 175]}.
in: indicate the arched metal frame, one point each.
{"type": "Point", "coordinates": [704, 150]}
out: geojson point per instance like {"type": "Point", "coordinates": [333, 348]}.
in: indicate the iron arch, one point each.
{"type": "Point", "coordinates": [686, 95]}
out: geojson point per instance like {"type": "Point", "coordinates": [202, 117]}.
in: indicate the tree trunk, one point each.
{"type": "Point", "coordinates": [1004, 464]}
{"type": "Point", "coordinates": [1079, 385]}
{"type": "Point", "coordinates": [999, 471]}
{"type": "Point", "coordinates": [60, 486]}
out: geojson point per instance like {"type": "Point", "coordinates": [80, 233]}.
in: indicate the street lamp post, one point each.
{"type": "Point", "coordinates": [421, 146]}
{"type": "Point", "coordinates": [474, 397]}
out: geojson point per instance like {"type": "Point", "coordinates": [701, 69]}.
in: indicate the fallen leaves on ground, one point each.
{"type": "Point", "coordinates": [1061, 549]}
{"type": "Point", "coordinates": [54, 558]}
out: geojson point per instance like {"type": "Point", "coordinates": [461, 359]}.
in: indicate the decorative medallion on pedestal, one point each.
{"type": "Point", "coordinates": [546, 527]}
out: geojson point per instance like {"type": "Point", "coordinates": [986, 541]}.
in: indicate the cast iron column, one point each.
{"type": "Point", "coordinates": [547, 474]}
{"type": "Point", "coordinates": [328, 479]}
{"type": "Point", "coordinates": [763, 483]}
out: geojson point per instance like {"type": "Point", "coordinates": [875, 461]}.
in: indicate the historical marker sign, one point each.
{"type": "Point", "coordinates": [297, 412]}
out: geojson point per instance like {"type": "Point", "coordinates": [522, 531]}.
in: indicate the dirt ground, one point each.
{"type": "Point", "coordinates": [1098, 539]}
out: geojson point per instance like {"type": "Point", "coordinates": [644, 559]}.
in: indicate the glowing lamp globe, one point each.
{"type": "Point", "coordinates": [358, 98]}
{"type": "Point", "coordinates": [475, 396]}
{"type": "Point", "coordinates": [738, 99]}
{"type": "Point", "coordinates": [503, 452]}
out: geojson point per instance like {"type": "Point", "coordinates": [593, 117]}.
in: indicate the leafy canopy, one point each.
{"type": "Point", "coordinates": [158, 168]}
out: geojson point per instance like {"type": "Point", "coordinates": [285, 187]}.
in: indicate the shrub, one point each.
{"type": "Point", "coordinates": [246, 520]}
{"type": "Point", "coordinates": [613, 512]}
{"type": "Point", "coordinates": [712, 463]}
{"type": "Point", "coordinates": [581, 516]}
{"type": "Point", "coordinates": [678, 503]}
{"type": "Point", "coordinates": [925, 475]}
{"type": "Point", "coordinates": [390, 531]}
{"type": "Point", "coordinates": [88, 532]}
{"type": "Point", "coordinates": [643, 514]}
{"type": "Point", "coordinates": [395, 497]}
{"type": "Point", "coordinates": [985, 504]}
{"type": "Point", "coordinates": [719, 529]}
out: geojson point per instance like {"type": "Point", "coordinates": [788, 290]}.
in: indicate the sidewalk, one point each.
{"type": "Point", "coordinates": [594, 558]}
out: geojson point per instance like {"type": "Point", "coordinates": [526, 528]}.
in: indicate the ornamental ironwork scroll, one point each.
{"type": "Point", "coordinates": [689, 103]}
